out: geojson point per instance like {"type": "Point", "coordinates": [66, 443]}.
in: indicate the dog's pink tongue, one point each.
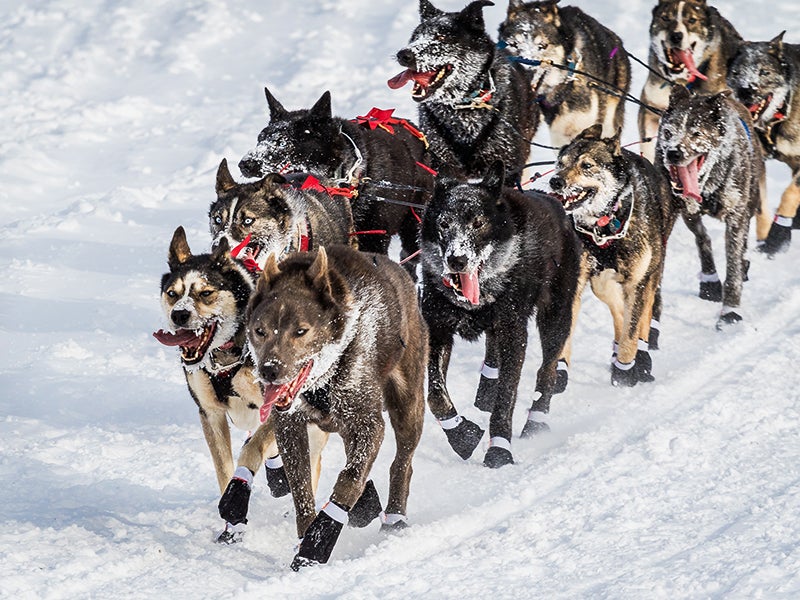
{"type": "Point", "coordinates": [687, 58]}
{"type": "Point", "coordinates": [272, 393]}
{"type": "Point", "coordinates": [184, 337]}
{"type": "Point", "coordinates": [470, 287]}
{"type": "Point", "coordinates": [688, 177]}
{"type": "Point", "coordinates": [400, 79]}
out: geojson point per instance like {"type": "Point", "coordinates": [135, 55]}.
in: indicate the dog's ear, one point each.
{"type": "Point", "coordinates": [678, 94]}
{"type": "Point", "coordinates": [274, 179]}
{"type": "Point", "coordinates": [221, 253]}
{"type": "Point", "coordinates": [472, 14]}
{"type": "Point", "coordinates": [516, 5]}
{"type": "Point", "coordinates": [276, 110]}
{"type": "Point", "coordinates": [225, 180]}
{"type": "Point", "coordinates": [428, 10]}
{"type": "Point", "coordinates": [776, 45]}
{"type": "Point", "coordinates": [322, 108]}
{"type": "Point", "coordinates": [614, 142]}
{"type": "Point", "coordinates": [595, 132]}
{"type": "Point", "coordinates": [179, 251]}
{"type": "Point", "coordinates": [319, 277]}
{"type": "Point", "coordinates": [493, 180]}
{"type": "Point", "coordinates": [268, 275]}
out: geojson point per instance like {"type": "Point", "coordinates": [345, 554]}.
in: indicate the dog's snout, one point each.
{"type": "Point", "coordinates": [180, 317]}
{"type": "Point", "coordinates": [406, 58]}
{"type": "Point", "coordinates": [674, 155]}
{"type": "Point", "coordinates": [676, 37]}
{"type": "Point", "coordinates": [457, 263]}
{"type": "Point", "coordinates": [557, 183]}
{"type": "Point", "coordinates": [745, 95]}
{"type": "Point", "coordinates": [269, 372]}
{"type": "Point", "coordinates": [250, 167]}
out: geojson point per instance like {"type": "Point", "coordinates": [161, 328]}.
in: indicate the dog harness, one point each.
{"type": "Point", "coordinates": [608, 228]}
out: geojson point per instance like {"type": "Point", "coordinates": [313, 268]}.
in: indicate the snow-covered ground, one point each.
{"type": "Point", "coordinates": [113, 119]}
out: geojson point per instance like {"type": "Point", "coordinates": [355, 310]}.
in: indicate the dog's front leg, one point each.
{"type": "Point", "coordinates": [487, 386]}
{"type": "Point", "coordinates": [736, 227]}
{"type": "Point", "coordinates": [462, 434]}
{"type": "Point", "coordinates": [291, 433]}
{"type": "Point", "coordinates": [218, 437]}
{"type": "Point", "coordinates": [710, 285]}
{"type": "Point", "coordinates": [362, 440]}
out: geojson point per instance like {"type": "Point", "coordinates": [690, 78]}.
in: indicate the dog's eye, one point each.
{"type": "Point", "coordinates": [763, 73]}
{"type": "Point", "coordinates": [444, 225]}
{"type": "Point", "coordinates": [667, 134]}
{"type": "Point", "coordinates": [543, 46]}
{"type": "Point", "coordinates": [478, 223]}
{"type": "Point", "coordinates": [586, 165]}
{"type": "Point", "coordinates": [218, 220]}
{"type": "Point", "coordinates": [692, 21]}
{"type": "Point", "coordinates": [259, 332]}
{"type": "Point", "coordinates": [172, 294]}
{"type": "Point", "coordinates": [300, 332]}
{"type": "Point", "coordinates": [206, 293]}
{"type": "Point", "coordinates": [695, 134]}
{"type": "Point", "coordinates": [665, 18]}
{"type": "Point", "coordinates": [248, 220]}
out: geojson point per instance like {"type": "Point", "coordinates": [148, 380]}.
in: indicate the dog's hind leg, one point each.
{"type": "Point", "coordinates": [780, 232]}
{"type": "Point", "coordinates": [710, 285]}
{"type": "Point", "coordinates": [564, 360]}
{"type": "Point", "coordinates": [462, 434]}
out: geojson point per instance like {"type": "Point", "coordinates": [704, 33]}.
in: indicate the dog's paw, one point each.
{"type": "Point", "coordinates": [711, 291]}
{"type": "Point", "coordinates": [534, 427]}
{"type": "Point", "coordinates": [235, 499]}
{"type": "Point", "coordinates": [318, 542]}
{"type": "Point", "coordinates": [276, 481]}
{"type": "Point", "coordinates": [643, 367]}
{"type": "Point", "coordinates": [393, 523]}
{"type": "Point", "coordinates": [232, 534]}
{"type": "Point", "coordinates": [729, 318]}
{"type": "Point", "coordinates": [367, 508]}
{"type": "Point", "coordinates": [562, 377]}
{"type": "Point", "coordinates": [623, 375]}
{"type": "Point", "coordinates": [464, 437]}
{"type": "Point", "coordinates": [487, 394]}
{"type": "Point", "coordinates": [778, 240]}
{"type": "Point", "coordinates": [497, 457]}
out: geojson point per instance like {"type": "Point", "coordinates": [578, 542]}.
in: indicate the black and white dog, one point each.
{"type": "Point", "coordinates": [765, 76]}
{"type": "Point", "coordinates": [583, 70]}
{"type": "Point", "coordinates": [474, 106]}
{"type": "Point", "coordinates": [492, 257]}
{"type": "Point", "coordinates": [716, 165]}
{"type": "Point", "coordinates": [374, 161]}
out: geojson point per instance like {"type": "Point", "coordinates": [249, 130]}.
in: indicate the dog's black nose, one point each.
{"type": "Point", "coordinates": [676, 37]}
{"type": "Point", "coordinates": [406, 58]}
{"type": "Point", "coordinates": [745, 95]}
{"type": "Point", "coordinates": [557, 183]}
{"type": "Point", "coordinates": [674, 155]}
{"type": "Point", "coordinates": [268, 372]}
{"type": "Point", "coordinates": [457, 263]}
{"type": "Point", "coordinates": [180, 317]}
{"type": "Point", "coordinates": [250, 167]}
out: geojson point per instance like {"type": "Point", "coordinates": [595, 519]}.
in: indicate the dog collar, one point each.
{"type": "Point", "coordinates": [608, 228]}
{"type": "Point", "coordinates": [480, 98]}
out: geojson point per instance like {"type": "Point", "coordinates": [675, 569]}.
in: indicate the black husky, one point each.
{"type": "Point", "coordinates": [474, 106]}
{"type": "Point", "coordinates": [376, 159]}
{"type": "Point", "coordinates": [492, 256]}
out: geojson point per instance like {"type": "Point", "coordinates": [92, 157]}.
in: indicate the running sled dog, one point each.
{"type": "Point", "coordinates": [493, 257]}
{"type": "Point", "coordinates": [623, 210]}
{"type": "Point", "coordinates": [580, 69]}
{"type": "Point", "coordinates": [474, 105]}
{"type": "Point", "coordinates": [337, 337]}
{"type": "Point", "coordinates": [765, 76]}
{"type": "Point", "coordinates": [204, 297]}
{"type": "Point", "coordinates": [709, 148]}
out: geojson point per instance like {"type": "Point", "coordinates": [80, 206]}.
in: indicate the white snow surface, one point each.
{"type": "Point", "coordinates": [114, 117]}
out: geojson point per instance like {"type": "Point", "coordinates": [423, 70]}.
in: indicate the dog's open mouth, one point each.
{"type": "Point", "coordinates": [249, 252]}
{"type": "Point", "coordinates": [425, 82]}
{"type": "Point", "coordinates": [573, 201]}
{"type": "Point", "coordinates": [677, 60]}
{"type": "Point", "coordinates": [281, 396]}
{"type": "Point", "coordinates": [685, 178]}
{"type": "Point", "coordinates": [193, 343]}
{"type": "Point", "coordinates": [465, 285]}
{"type": "Point", "coordinates": [757, 109]}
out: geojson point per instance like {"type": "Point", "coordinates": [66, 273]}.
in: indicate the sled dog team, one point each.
{"type": "Point", "coordinates": [297, 325]}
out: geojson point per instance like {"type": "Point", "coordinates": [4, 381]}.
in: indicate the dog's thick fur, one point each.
{"type": "Point", "coordinates": [347, 322]}
{"type": "Point", "coordinates": [492, 256]}
{"type": "Point", "coordinates": [278, 216]}
{"type": "Point", "coordinates": [381, 166]}
{"type": "Point", "coordinates": [708, 145]}
{"type": "Point", "coordinates": [204, 298]}
{"type": "Point", "coordinates": [623, 209]}
{"type": "Point", "coordinates": [474, 106]}
{"type": "Point", "coordinates": [690, 44]}
{"type": "Point", "coordinates": [567, 36]}
{"type": "Point", "coordinates": [765, 76]}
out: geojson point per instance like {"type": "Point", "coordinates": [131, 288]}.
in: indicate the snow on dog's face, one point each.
{"type": "Point", "coordinates": [299, 141]}
{"type": "Point", "coordinates": [680, 36]}
{"type": "Point", "coordinates": [263, 210]}
{"type": "Point", "coordinates": [448, 54]}
{"type": "Point", "coordinates": [299, 309]}
{"type": "Point", "coordinates": [692, 129]}
{"type": "Point", "coordinates": [587, 177]}
{"type": "Point", "coordinates": [466, 228]}
{"type": "Point", "coordinates": [757, 76]}
{"type": "Point", "coordinates": [531, 31]}
{"type": "Point", "coordinates": [203, 298]}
